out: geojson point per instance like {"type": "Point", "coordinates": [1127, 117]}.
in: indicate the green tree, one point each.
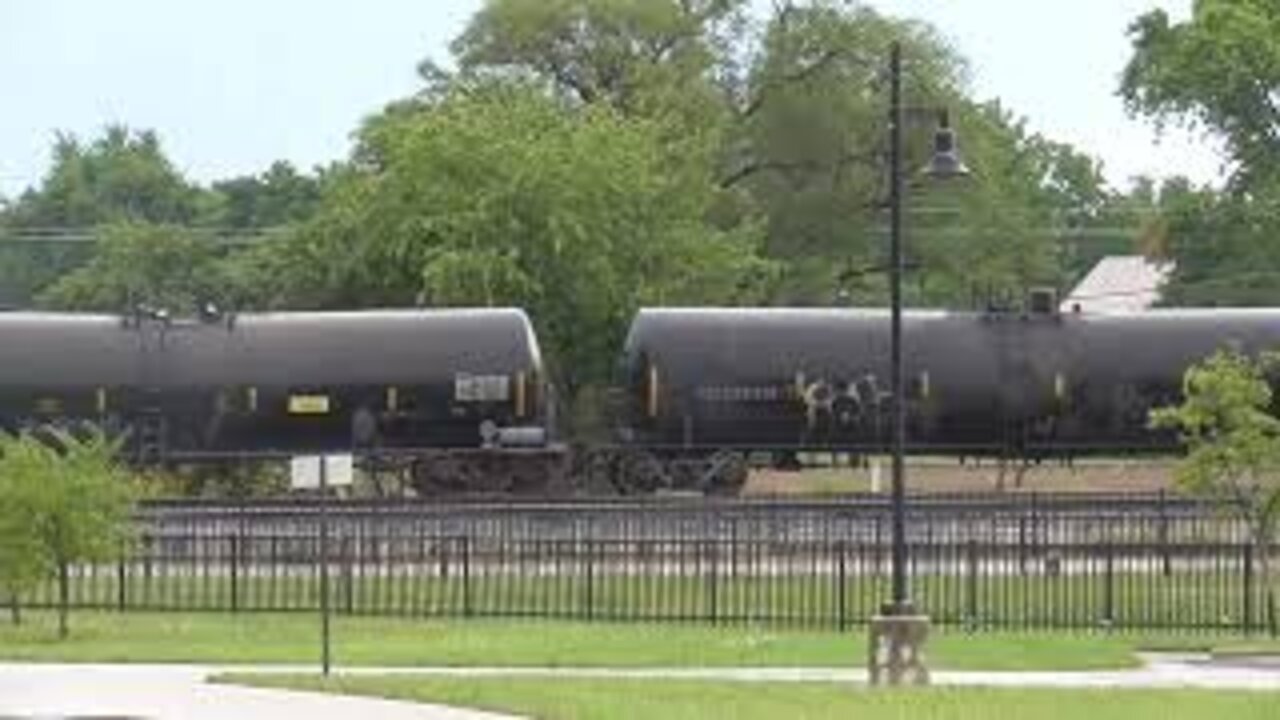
{"type": "Point", "coordinates": [995, 234]}
{"type": "Point", "coordinates": [813, 154]}
{"type": "Point", "coordinates": [638, 56]}
{"type": "Point", "coordinates": [810, 142]}
{"type": "Point", "coordinates": [279, 196]}
{"type": "Point", "coordinates": [1223, 244]}
{"type": "Point", "coordinates": [161, 266]}
{"type": "Point", "coordinates": [328, 262]}
{"type": "Point", "coordinates": [1217, 71]}
{"type": "Point", "coordinates": [30, 263]}
{"type": "Point", "coordinates": [1227, 420]}
{"type": "Point", "coordinates": [502, 195]}
{"type": "Point", "coordinates": [122, 176]}
{"type": "Point", "coordinates": [21, 560]}
{"type": "Point", "coordinates": [61, 506]}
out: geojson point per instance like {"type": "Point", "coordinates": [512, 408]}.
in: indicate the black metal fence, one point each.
{"type": "Point", "coordinates": [1137, 562]}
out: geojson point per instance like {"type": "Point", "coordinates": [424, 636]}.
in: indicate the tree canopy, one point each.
{"type": "Point", "coordinates": [123, 175]}
{"type": "Point", "coordinates": [495, 195]}
{"type": "Point", "coordinates": [280, 196]}
{"type": "Point", "coordinates": [1217, 72]}
{"type": "Point", "coordinates": [634, 55]}
{"type": "Point", "coordinates": [161, 266]}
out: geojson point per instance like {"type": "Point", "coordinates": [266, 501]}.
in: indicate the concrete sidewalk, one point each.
{"type": "Point", "coordinates": [177, 692]}
{"type": "Point", "coordinates": [1158, 671]}
{"type": "Point", "coordinates": [170, 692]}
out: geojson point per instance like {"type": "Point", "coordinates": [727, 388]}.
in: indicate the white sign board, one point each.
{"type": "Point", "coordinates": [481, 388]}
{"type": "Point", "coordinates": [304, 471]}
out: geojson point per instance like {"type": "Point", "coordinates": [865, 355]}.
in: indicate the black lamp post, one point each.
{"type": "Point", "coordinates": [945, 163]}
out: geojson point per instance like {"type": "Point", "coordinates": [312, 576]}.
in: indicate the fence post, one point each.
{"type": "Point", "coordinates": [64, 597]}
{"type": "Point", "coordinates": [1165, 554]}
{"type": "Point", "coordinates": [878, 553]}
{"type": "Point", "coordinates": [712, 563]}
{"type": "Point", "coordinates": [1035, 523]}
{"type": "Point", "coordinates": [1109, 587]}
{"type": "Point", "coordinates": [146, 568]}
{"type": "Point", "coordinates": [466, 575]}
{"type": "Point", "coordinates": [1022, 543]}
{"type": "Point", "coordinates": [590, 578]}
{"type": "Point", "coordinates": [234, 541]}
{"type": "Point", "coordinates": [1248, 589]}
{"type": "Point", "coordinates": [733, 550]}
{"type": "Point", "coordinates": [971, 584]}
{"type": "Point", "coordinates": [273, 586]}
{"type": "Point", "coordinates": [1270, 599]}
{"type": "Point", "coordinates": [122, 580]}
{"type": "Point", "coordinates": [348, 576]}
{"type": "Point", "coordinates": [842, 615]}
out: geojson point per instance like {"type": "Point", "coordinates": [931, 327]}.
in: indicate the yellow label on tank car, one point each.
{"type": "Point", "coordinates": [308, 404]}
{"type": "Point", "coordinates": [48, 406]}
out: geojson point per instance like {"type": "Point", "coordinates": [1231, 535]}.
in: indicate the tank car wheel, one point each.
{"type": "Point", "coordinates": [726, 474]}
{"type": "Point", "coordinates": [47, 434]}
{"type": "Point", "coordinates": [424, 479]}
{"type": "Point", "coordinates": [592, 471]}
{"type": "Point", "coordinates": [847, 413]}
{"type": "Point", "coordinates": [439, 474]}
{"type": "Point", "coordinates": [491, 475]}
{"type": "Point", "coordinates": [640, 473]}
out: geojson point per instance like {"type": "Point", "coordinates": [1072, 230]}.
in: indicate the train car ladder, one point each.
{"type": "Point", "coordinates": [152, 428]}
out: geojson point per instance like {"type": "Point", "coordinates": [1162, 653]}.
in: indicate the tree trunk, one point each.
{"type": "Point", "coordinates": [64, 600]}
{"type": "Point", "coordinates": [15, 608]}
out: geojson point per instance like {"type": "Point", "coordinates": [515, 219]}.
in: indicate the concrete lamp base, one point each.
{"type": "Point", "coordinates": [895, 653]}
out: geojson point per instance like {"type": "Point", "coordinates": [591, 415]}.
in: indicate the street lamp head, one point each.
{"type": "Point", "coordinates": [945, 163]}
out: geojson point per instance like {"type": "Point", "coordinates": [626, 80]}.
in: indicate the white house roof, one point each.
{"type": "Point", "coordinates": [1119, 284]}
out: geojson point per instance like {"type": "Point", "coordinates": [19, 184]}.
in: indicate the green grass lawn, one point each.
{"type": "Point", "coordinates": [373, 641]}
{"type": "Point", "coordinates": [294, 638]}
{"type": "Point", "coordinates": [678, 700]}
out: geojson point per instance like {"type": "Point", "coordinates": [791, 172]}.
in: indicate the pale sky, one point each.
{"type": "Point", "coordinates": [233, 85]}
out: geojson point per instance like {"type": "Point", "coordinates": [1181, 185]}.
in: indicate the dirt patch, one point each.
{"type": "Point", "coordinates": [952, 477]}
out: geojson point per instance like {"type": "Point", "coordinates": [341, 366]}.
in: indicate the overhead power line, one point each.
{"type": "Point", "coordinates": [79, 236]}
{"type": "Point", "coordinates": [243, 237]}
